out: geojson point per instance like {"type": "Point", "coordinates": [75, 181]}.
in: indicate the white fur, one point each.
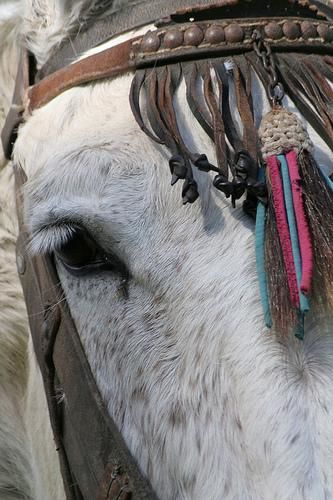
{"type": "Point", "coordinates": [210, 403]}
{"type": "Point", "coordinates": [14, 459]}
{"type": "Point", "coordinates": [46, 23]}
{"type": "Point", "coordinates": [28, 462]}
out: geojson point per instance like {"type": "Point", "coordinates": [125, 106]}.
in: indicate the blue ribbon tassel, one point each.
{"type": "Point", "coordinates": [260, 257]}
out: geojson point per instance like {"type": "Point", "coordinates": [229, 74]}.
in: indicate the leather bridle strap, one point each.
{"type": "Point", "coordinates": [95, 462]}
{"type": "Point", "coordinates": [137, 13]}
{"type": "Point", "coordinates": [106, 64]}
{"type": "Point", "coordinates": [195, 41]}
{"type": "Point", "coordinates": [156, 48]}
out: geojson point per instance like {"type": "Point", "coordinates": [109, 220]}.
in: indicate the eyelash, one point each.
{"type": "Point", "coordinates": [42, 240]}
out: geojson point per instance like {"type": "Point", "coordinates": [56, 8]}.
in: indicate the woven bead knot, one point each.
{"type": "Point", "coordinates": [281, 131]}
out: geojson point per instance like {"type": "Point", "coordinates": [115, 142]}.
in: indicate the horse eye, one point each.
{"type": "Point", "coordinates": [79, 251]}
{"type": "Point", "coordinates": [82, 255]}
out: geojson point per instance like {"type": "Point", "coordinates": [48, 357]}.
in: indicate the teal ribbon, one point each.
{"type": "Point", "coordinates": [304, 303]}
{"type": "Point", "coordinates": [260, 257]}
{"type": "Point", "coordinates": [299, 328]}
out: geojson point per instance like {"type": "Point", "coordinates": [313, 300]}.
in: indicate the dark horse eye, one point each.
{"type": "Point", "coordinates": [81, 255]}
{"type": "Point", "coordinates": [79, 250]}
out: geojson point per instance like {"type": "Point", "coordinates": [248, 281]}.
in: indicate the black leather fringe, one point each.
{"type": "Point", "coordinates": [209, 85]}
{"type": "Point", "coordinates": [208, 96]}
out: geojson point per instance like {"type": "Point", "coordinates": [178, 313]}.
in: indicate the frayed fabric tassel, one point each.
{"type": "Point", "coordinates": [283, 138]}
{"type": "Point", "coordinates": [294, 230]}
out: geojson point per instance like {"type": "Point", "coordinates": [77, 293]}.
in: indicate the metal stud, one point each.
{"type": "Point", "coordinates": [215, 34]}
{"type": "Point", "coordinates": [308, 30]}
{"type": "Point", "coordinates": [291, 30]}
{"type": "Point", "coordinates": [193, 36]}
{"type": "Point", "coordinates": [234, 33]}
{"type": "Point", "coordinates": [273, 30]}
{"type": "Point", "coordinates": [173, 38]}
{"type": "Point", "coordinates": [150, 43]}
{"type": "Point", "coordinates": [325, 32]}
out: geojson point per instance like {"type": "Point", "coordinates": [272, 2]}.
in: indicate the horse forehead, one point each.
{"type": "Point", "coordinates": [87, 142]}
{"type": "Point", "coordinates": [94, 116]}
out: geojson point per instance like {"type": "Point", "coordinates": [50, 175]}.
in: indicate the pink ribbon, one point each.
{"type": "Point", "coordinates": [273, 166]}
{"type": "Point", "coordinates": [304, 236]}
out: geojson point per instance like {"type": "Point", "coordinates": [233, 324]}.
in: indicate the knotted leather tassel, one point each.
{"type": "Point", "coordinates": [297, 190]}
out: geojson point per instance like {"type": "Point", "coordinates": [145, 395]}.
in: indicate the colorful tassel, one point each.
{"type": "Point", "coordinates": [273, 167]}
{"type": "Point", "coordinates": [304, 303]}
{"type": "Point", "coordinates": [292, 200]}
{"type": "Point", "coordinates": [283, 137]}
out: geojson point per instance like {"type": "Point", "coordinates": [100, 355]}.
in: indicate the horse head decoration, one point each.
{"type": "Point", "coordinates": [192, 322]}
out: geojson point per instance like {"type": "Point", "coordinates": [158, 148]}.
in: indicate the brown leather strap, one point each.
{"type": "Point", "coordinates": [106, 64]}
{"type": "Point", "coordinates": [196, 42]}
{"type": "Point", "coordinates": [139, 13]}
{"type": "Point", "coordinates": [91, 450]}
{"type": "Point", "coordinates": [148, 51]}
{"type": "Point", "coordinates": [94, 459]}
{"type": "Point", "coordinates": [14, 117]}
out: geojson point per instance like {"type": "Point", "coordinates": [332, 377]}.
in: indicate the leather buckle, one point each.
{"type": "Point", "coordinates": [24, 78]}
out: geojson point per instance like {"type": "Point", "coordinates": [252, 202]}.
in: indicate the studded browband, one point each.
{"type": "Point", "coordinates": [173, 41]}
{"type": "Point", "coordinates": [187, 41]}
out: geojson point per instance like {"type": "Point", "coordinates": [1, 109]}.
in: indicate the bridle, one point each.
{"type": "Point", "coordinates": [95, 462]}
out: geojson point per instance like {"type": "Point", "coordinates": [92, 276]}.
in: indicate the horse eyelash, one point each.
{"type": "Point", "coordinates": [46, 239]}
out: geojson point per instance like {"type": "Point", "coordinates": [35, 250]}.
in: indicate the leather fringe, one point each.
{"type": "Point", "coordinates": [212, 89]}
{"type": "Point", "coordinates": [237, 148]}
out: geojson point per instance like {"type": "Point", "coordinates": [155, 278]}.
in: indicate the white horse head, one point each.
{"type": "Point", "coordinates": [210, 403]}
